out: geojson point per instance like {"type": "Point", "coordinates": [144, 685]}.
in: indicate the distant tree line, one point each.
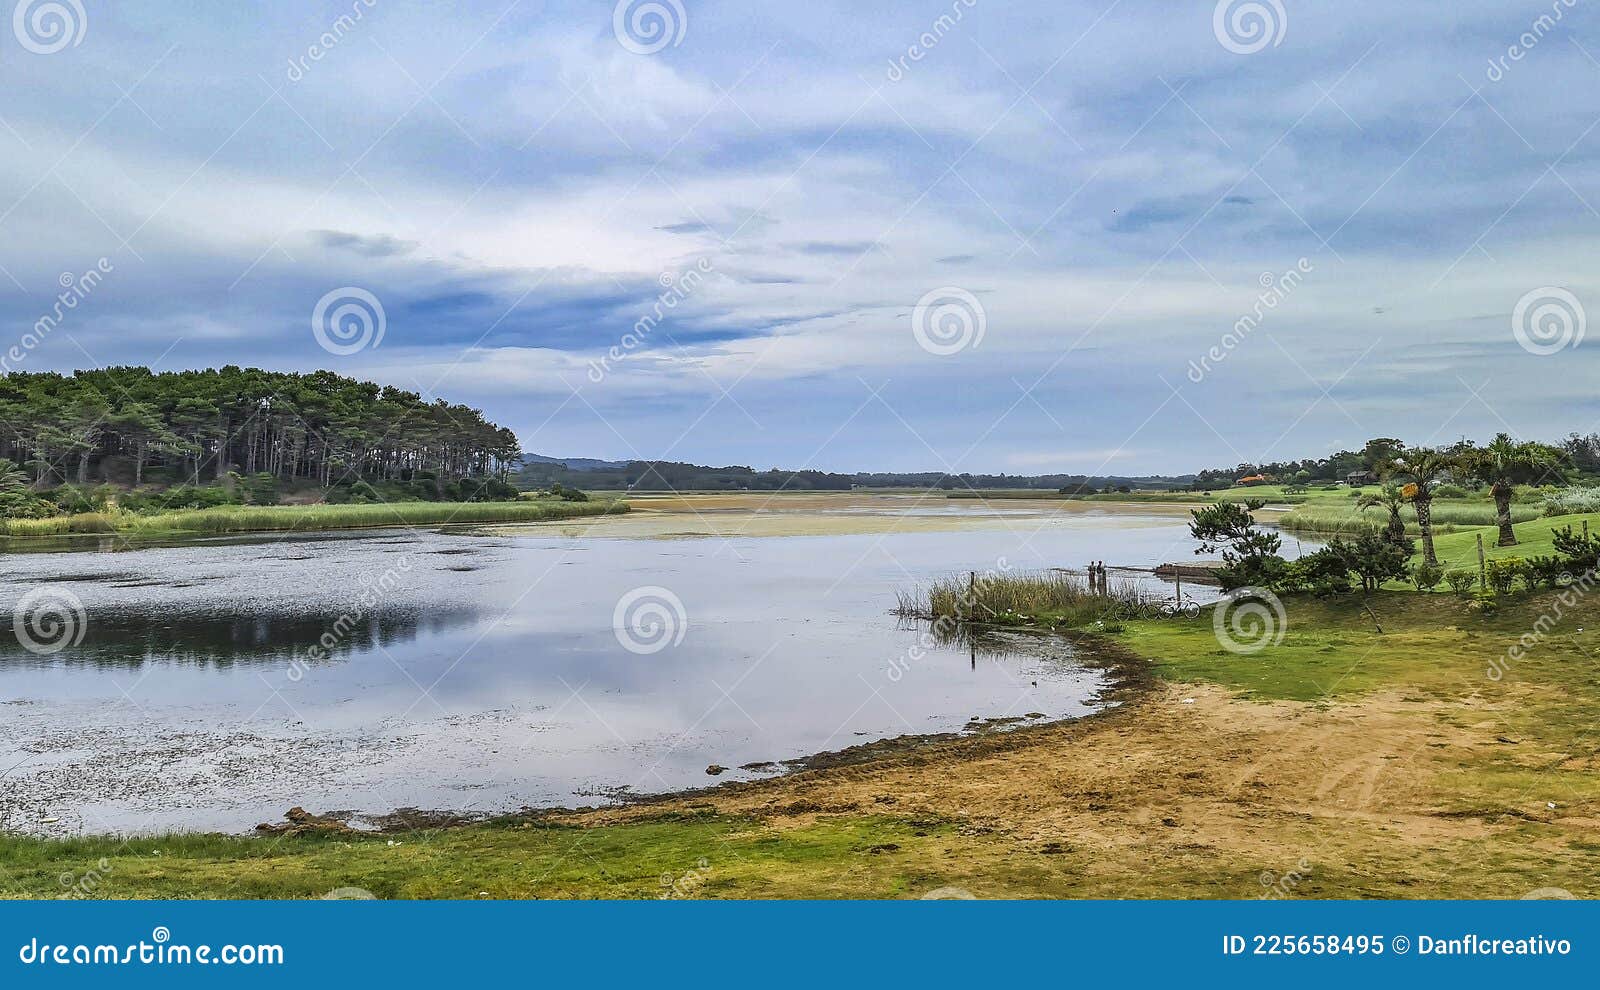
{"type": "Point", "coordinates": [677, 476]}
{"type": "Point", "coordinates": [1335, 467]}
{"type": "Point", "coordinates": [131, 425]}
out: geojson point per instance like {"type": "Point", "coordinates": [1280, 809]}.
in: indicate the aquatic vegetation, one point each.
{"type": "Point", "coordinates": [274, 518]}
{"type": "Point", "coordinates": [1049, 597]}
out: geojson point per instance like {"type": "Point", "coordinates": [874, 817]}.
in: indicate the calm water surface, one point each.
{"type": "Point", "coordinates": [218, 684]}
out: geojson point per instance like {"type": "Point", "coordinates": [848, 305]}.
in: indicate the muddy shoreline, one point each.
{"type": "Point", "coordinates": [1130, 679]}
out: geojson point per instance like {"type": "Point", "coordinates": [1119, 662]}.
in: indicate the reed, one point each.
{"type": "Point", "coordinates": [1050, 597]}
{"type": "Point", "coordinates": [279, 518]}
{"type": "Point", "coordinates": [1448, 517]}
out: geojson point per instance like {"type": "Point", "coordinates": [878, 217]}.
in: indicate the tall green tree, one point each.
{"type": "Point", "coordinates": [1391, 498]}
{"type": "Point", "coordinates": [1506, 463]}
{"type": "Point", "coordinates": [1425, 468]}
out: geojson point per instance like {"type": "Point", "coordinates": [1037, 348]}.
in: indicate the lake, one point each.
{"type": "Point", "coordinates": [214, 684]}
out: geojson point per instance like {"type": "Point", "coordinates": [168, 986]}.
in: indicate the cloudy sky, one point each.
{"type": "Point", "coordinates": [946, 236]}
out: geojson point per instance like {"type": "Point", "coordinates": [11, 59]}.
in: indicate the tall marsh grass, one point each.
{"type": "Point", "coordinates": [278, 518]}
{"type": "Point", "coordinates": [1571, 501]}
{"type": "Point", "coordinates": [1448, 517]}
{"type": "Point", "coordinates": [1010, 599]}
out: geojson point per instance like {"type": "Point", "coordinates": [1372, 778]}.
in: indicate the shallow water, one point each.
{"type": "Point", "coordinates": [216, 685]}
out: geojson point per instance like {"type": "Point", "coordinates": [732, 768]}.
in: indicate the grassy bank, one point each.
{"type": "Point", "coordinates": [276, 518]}
{"type": "Point", "coordinates": [1449, 516]}
{"type": "Point", "coordinates": [1534, 539]}
{"type": "Point", "coordinates": [1353, 763]}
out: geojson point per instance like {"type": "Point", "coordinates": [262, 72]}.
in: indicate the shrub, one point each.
{"type": "Point", "coordinates": [1569, 501]}
{"type": "Point", "coordinates": [178, 497]}
{"type": "Point", "coordinates": [25, 505]}
{"type": "Point", "coordinates": [1451, 491]}
{"type": "Point", "coordinates": [1461, 582]}
{"type": "Point", "coordinates": [1548, 571]}
{"type": "Point", "coordinates": [261, 489]}
{"type": "Point", "coordinates": [1325, 572]}
{"type": "Point", "coordinates": [1426, 576]}
{"type": "Point", "coordinates": [72, 500]}
{"type": "Point", "coordinates": [1375, 559]}
{"type": "Point", "coordinates": [1502, 574]}
{"type": "Point", "coordinates": [1581, 550]}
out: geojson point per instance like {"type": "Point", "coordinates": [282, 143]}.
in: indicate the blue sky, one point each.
{"type": "Point", "coordinates": [936, 236]}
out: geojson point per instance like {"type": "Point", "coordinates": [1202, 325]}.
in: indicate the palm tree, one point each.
{"type": "Point", "coordinates": [1506, 463]}
{"type": "Point", "coordinates": [1426, 467]}
{"type": "Point", "coordinates": [1392, 498]}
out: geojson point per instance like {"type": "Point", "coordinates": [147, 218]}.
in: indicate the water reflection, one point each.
{"type": "Point", "coordinates": [489, 673]}
{"type": "Point", "coordinates": [225, 637]}
{"type": "Point", "coordinates": [982, 643]}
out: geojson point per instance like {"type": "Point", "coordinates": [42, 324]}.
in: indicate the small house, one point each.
{"type": "Point", "coordinates": [1360, 479]}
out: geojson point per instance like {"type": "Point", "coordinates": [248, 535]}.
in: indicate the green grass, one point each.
{"type": "Point", "coordinates": [1449, 516]}
{"type": "Point", "coordinates": [694, 856]}
{"type": "Point", "coordinates": [274, 518]}
{"type": "Point", "coordinates": [1534, 539]}
{"type": "Point", "coordinates": [1330, 648]}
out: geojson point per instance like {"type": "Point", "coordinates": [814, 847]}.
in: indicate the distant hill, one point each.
{"type": "Point", "coordinates": [576, 463]}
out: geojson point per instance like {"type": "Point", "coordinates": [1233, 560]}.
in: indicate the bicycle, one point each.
{"type": "Point", "coordinates": [1184, 608]}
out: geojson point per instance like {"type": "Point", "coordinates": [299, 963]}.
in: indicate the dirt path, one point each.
{"type": "Point", "coordinates": [1185, 777]}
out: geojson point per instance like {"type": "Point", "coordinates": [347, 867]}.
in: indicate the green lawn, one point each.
{"type": "Point", "coordinates": [1534, 539]}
